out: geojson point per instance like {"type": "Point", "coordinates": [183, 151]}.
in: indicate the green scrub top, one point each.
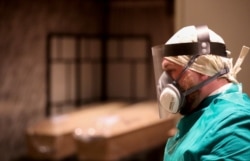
{"type": "Point", "coordinates": [219, 131]}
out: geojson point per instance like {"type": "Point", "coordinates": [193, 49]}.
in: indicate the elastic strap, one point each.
{"type": "Point", "coordinates": [198, 86]}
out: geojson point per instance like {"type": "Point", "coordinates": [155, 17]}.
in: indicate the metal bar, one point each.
{"type": "Point", "coordinates": [104, 38]}
{"type": "Point", "coordinates": [47, 77]}
{"type": "Point", "coordinates": [78, 72]}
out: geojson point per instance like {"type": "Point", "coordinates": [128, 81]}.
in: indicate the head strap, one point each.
{"type": "Point", "coordinates": [194, 49]}
{"type": "Point", "coordinates": [202, 47]}
{"type": "Point", "coordinates": [203, 39]}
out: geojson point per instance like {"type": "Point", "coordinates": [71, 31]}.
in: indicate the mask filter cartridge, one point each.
{"type": "Point", "coordinates": [170, 99]}
{"type": "Point", "coordinates": [169, 95]}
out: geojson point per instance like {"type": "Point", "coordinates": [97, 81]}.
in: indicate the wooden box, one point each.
{"type": "Point", "coordinates": [127, 131]}
{"type": "Point", "coordinates": [52, 138]}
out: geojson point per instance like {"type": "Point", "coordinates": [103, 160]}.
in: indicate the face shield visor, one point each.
{"type": "Point", "coordinates": [170, 97]}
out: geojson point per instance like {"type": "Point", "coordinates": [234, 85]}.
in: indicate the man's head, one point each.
{"type": "Point", "coordinates": [207, 64]}
{"type": "Point", "coordinates": [195, 60]}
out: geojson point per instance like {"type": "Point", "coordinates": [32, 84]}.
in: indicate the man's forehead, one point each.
{"type": "Point", "coordinates": [169, 64]}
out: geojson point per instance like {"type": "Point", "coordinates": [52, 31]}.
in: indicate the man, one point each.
{"type": "Point", "coordinates": [199, 82]}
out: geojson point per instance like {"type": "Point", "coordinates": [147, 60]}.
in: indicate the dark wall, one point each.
{"type": "Point", "coordinates": [24, 25]}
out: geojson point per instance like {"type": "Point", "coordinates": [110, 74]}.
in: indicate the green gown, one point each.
{"type": "Point", "coordinates": [218, 131]}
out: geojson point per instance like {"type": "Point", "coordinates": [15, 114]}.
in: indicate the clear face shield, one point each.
{"type": "Point", "coordinates": [169, 96]}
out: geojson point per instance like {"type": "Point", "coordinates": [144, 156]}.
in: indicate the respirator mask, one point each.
{"type": "Point", "coordinates": [171, 98]}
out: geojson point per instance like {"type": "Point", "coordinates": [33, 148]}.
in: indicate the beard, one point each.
{"type": "Point", "coordinates": [191, 101]}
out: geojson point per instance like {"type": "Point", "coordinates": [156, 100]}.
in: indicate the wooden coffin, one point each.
{"type": "Point", "coordinates": [127, 131]}
{"type": "Point", "coordinates": [52, 138]}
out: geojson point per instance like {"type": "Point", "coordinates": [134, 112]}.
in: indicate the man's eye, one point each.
{"type": "Point", "coordinates": [170, 72]}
